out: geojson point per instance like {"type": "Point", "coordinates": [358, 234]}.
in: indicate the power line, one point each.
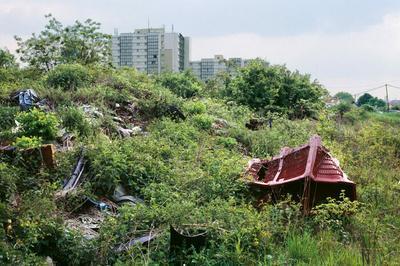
{"type": "Point", "coordinates": [372, 89]}
{"type": "Point", "coordinates": [395, 87]}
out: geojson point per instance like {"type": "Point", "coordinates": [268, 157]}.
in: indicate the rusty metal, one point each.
{"type": "Point", "coordinates": [309, 173]}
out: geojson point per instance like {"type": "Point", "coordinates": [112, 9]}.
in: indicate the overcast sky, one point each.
{"type": "Point", "coordinates": [350, 45]}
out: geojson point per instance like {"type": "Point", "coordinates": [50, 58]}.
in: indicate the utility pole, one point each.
{"type": "Point", "coordinates": [387, 97]}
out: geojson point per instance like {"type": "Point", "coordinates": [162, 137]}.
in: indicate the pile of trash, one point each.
{"type": "Point", "coordinates": [28, 98]}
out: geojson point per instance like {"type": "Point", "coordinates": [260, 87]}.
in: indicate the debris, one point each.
{"type": "Point", "coordinates": [220, 123]}
{"type": "Point", "coordinates": [91, 111]}
{"type": "Point", "coordinates": [48, 155]}
{"type": "Point", "coordinates": [101, 206]}
{"type": "Point", "coordinates": [26, 99]}
{"type": "Point", "coordinates": [125, 132]}
{"type": "Point", "coordinates": [137, 130]}
{"type": "Point", "coordinates": [44, 154]}
{"type": "Point", "coordinates": [145, 239]}
{"type": "Point", "coordinates": [308, 173]}
{"type": "Point", "coordinates": [255, 123]}
{"type": "Point", "coordinates": [118, 119]}
{"type": "Point", "coordinates": [67, 139]}
{"type": "Point", "coordinates": [73, 181]}
{"type": "Point", "coordinates": [49, 261]}
{"type": "Point", "coordinates": [175, 112]}
{"type": "Point", "coordinates": [181, 243]}
{"type": "Point", "coordinates": [88, 222]}
{"type": "Point", "coordinates": [120, 196]}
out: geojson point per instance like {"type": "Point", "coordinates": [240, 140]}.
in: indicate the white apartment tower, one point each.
{"type": "Point", "coordinates": [151, 50]}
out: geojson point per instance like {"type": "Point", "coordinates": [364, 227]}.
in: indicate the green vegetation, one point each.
{"type": "Point", "coordinates": [275, 88]}
{"type": "Point", "coordinates": [368, 99]}
{"type": "Point", "coordinates": [36, 123]}
{"type": "Point", "coordinates": [68, 77]}
{"type": "Point", "coordinates": [345, 97]}
{"type": "Point", "coordinates": [57, 44]}
{"type": "Point", "coordinates": [187, 165]}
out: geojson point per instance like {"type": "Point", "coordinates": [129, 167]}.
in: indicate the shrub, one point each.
{"type": "Point", "coordinates": [157, 103]}
{"type": "Point", "coordinates": [194, 107]}
{"type": "Point", "coordinates": [184, 84]}
{"type": "Point", "coordinates": [37, 123]}
{"type": "Point", "coordinates": [27, 142]}
{"type": "Point", "coordinates": [8, 179]}
{"type": "Point", "coordinates": [73, 119]}
{"type": "Point", "coordinates": [7, 116]}
{"type": "Point", "coordinates": [68, 76]}
{"type": "Point", "coordinates": [203, 121]}
{"type": "Point", "coordinates": [228, 142]}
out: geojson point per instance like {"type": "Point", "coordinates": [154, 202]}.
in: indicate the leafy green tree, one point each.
{"type": "Point", "coordinates": [379, 103]}
{"type": "Point", "coordinates": [275, 88]}
{"type": "Point", "coordinates": [80, 43]}
{"type": "Point", "coordinates": [183, 84]}
{"type": "Point", "coordinates": [364, 99]}
{"type": "Point", "coordinates": [345, 97]}
{"type": "Point", "coordinates": [7, 59]}
{"type": "Point", "coordinates": [367, 98]}
{"type": "Point", "coordinates": [342, 108]}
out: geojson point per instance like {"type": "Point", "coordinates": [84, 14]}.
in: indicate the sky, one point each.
{"type": "Point", "coordinates": [347, 45]}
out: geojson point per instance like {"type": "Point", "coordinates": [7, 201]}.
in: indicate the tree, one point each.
{"type": "Point", "coordinates": [345, 97]}
{"type": "Point", "coordinates": [342, 108]}
{"type": "Point", "coordinates": [364, 99]}
{"type": "Point", "coordinates": [267, 88]}
{"type": "Point", "coordinates": [7, 59]}
{"type": "Point", "coordinates": [367, 98]}
{"type": "Point", "coordinates": [80, 43]}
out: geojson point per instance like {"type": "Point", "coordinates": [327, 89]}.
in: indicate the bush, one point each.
{"type": "Point", "coordinates": [184, 84]}
{"type": "Point", "coordinates": [8, 179]}
{"type": "Point", "coordinates": [37, 123]}
{"type": "Point", "coordinates": [157, 103]}
{"type": "Point", "coordinates": [73, 119]}
{"type": "Point", "coordinates": [68, 77]}
{"type": "Point", "coordinates": [203, 121]}
{"type": "Point", "coordinates": [7, 116]}
{"type": "Point", "coordinates": [194, 107]}
{"type": "Point", "coordinates": [228, 142]}
{"type": "Point", "coordinates": [27, 142]}
{"type": "Point", "coordinates": [277, 89]}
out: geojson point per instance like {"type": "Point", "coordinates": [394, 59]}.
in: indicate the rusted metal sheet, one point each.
{"type": "Point", "coordinates": [309, 173]}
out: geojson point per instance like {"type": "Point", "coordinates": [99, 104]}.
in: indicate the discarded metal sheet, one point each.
{"type": "Point", "coordinates": [143, 240]}
{"type": "Point", "coordinates": [121, 196]}
{"type": "Point", "coordinates": [308, 173]}
{"type": "Point", "coordinates": [73, 181]}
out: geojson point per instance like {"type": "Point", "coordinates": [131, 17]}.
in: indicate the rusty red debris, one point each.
{"type": "Point", "coordinates": [309, 173]}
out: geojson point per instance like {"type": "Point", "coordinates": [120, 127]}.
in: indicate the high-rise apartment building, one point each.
{"type": "Point", "coordinates": [151, 50]}
{"type": "Point", "coordinates": [207, 68]}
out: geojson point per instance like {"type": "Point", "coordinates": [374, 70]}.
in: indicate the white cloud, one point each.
{"type": "Point", "coordinates": [350, 61]}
